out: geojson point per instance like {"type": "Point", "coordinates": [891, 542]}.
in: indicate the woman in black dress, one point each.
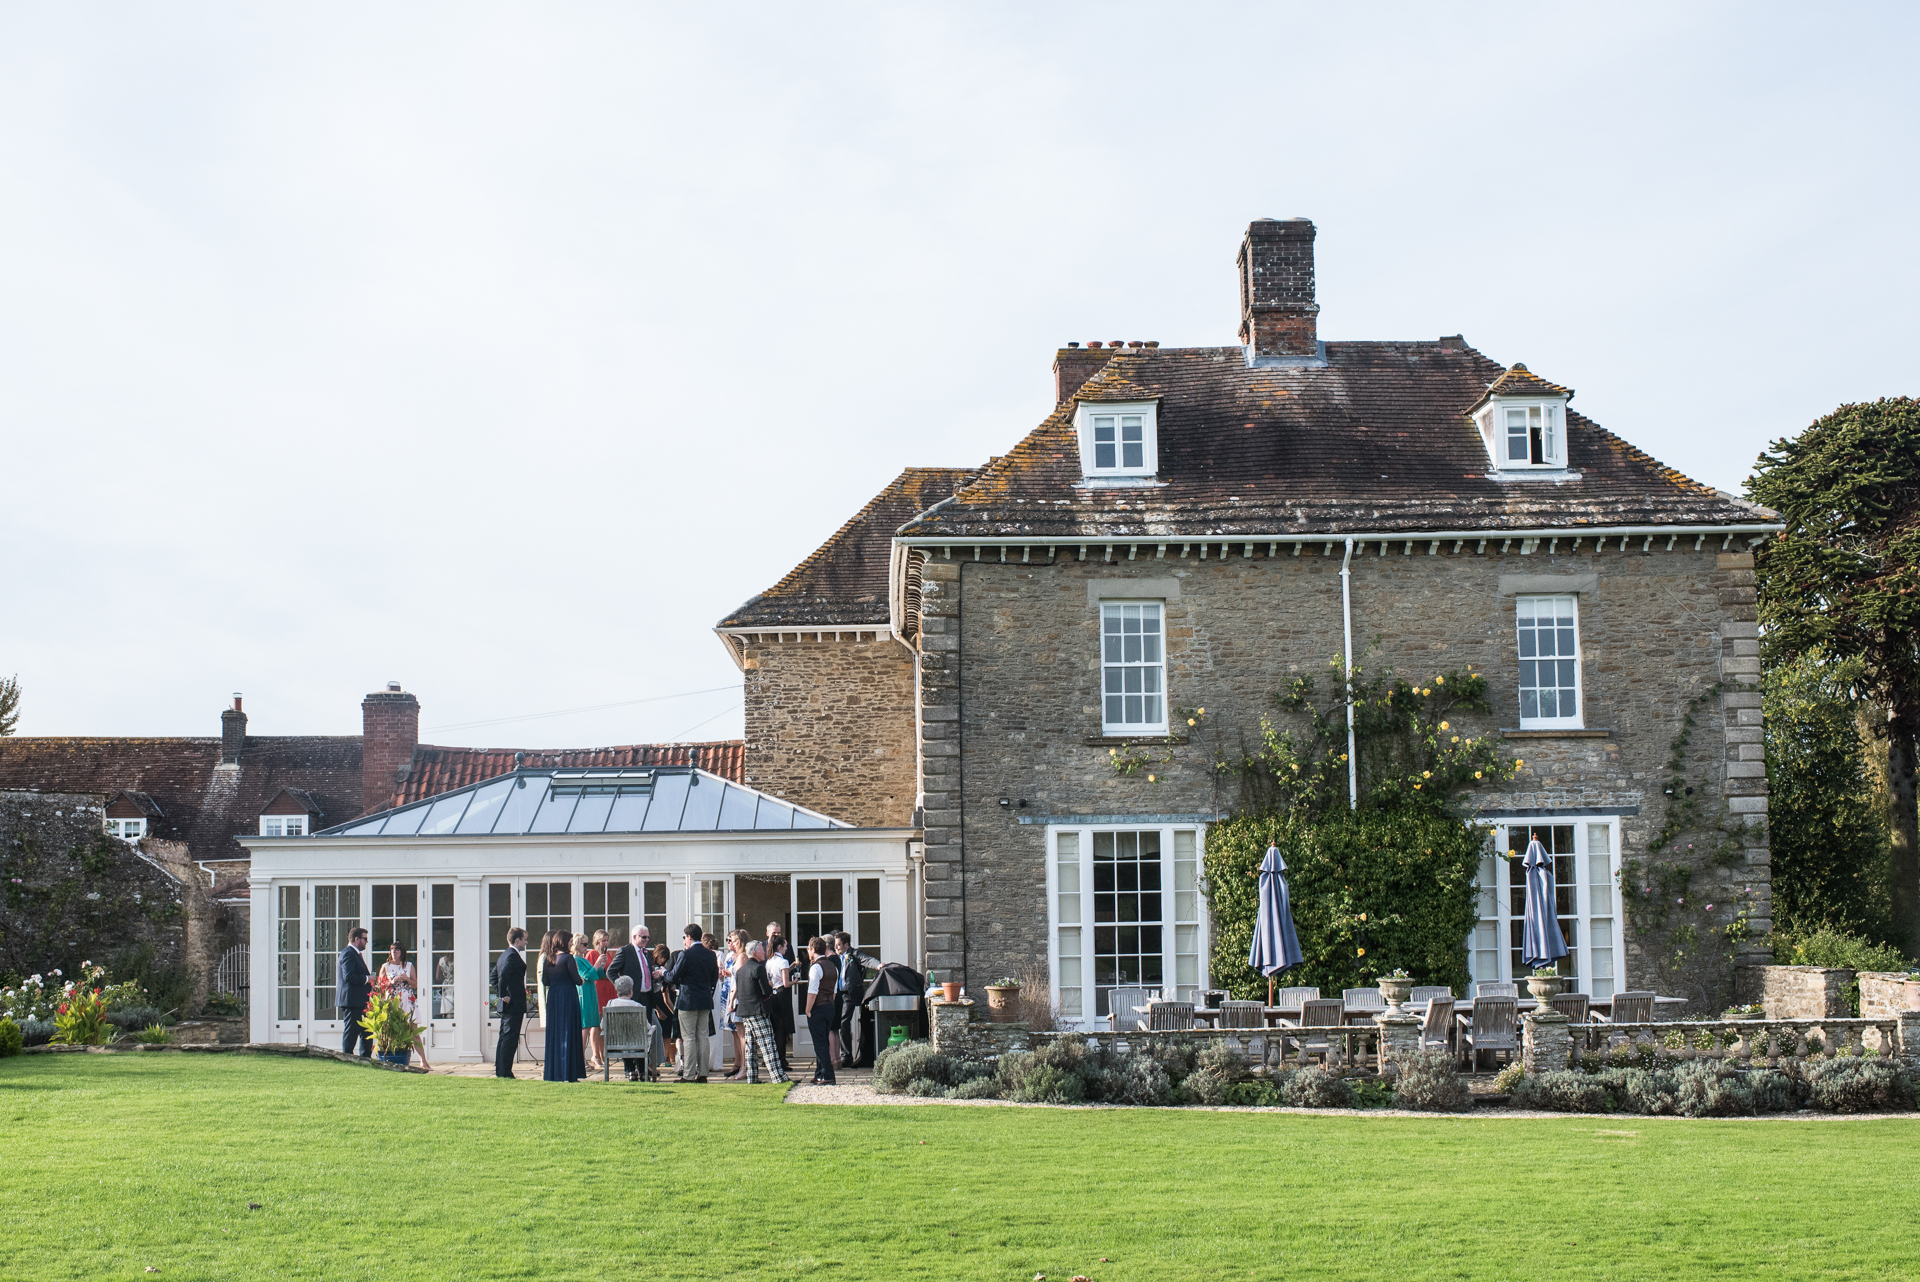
{"type": "Point", "coordinates": [566, 1048]}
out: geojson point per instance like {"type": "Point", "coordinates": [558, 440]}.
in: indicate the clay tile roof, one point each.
{"type": "Point", "coordinates": [438, 770]}
{"type": "Point", "coordinates": [1111, 385]}
{"type": "Point", "coordinates": [844, 583]}
{"type": "Point", "coordinates": [202, 805]}
{"type": "Point", "coordinates": [1520, 381]}
{"type": "Point", "coordinates": [1373, 441]}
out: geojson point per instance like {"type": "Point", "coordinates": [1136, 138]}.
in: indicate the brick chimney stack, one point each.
{"type": "Point", "coordinates": [1074, 365]}
{"type": "Point", "coordinates": [233, 733]}
{"type": "Point", "coordinates": [390, 729]}
{"type": "Point", "coordinates": [1277, 310]}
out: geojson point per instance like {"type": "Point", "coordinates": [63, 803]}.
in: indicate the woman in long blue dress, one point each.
{"type": "Point", "coordinates": [566, 1050]}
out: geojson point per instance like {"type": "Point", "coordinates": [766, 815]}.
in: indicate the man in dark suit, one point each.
{"type": "Point", "coordinates": [696, 974]}
{"type": "Point", "coordinates": [351, 986]}
{"type": "Point", "coordinates": [510, 981]}
{"type": "Point", "coordinates": [855, 1021]}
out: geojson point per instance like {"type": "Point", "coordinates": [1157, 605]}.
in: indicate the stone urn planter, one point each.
{"type": "Point", "coordinates": [1396, 992]}
{"type": "Point", "coordinates": [1543, 987]}
{"type": "Point", "coordinates": [1003, 1003]}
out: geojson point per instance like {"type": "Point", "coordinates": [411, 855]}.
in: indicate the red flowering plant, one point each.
{"type": "Point", "coordinates": [81, 1018]}
{"type": "Point", "coordinates": [387, 1022]}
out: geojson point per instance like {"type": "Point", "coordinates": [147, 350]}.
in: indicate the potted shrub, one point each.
{"type": "Point", "coordinates": [1396, 988]}
{"type": "Point", "coordinates": [1753, 1011]}
{"type": "Point", "coordinates": [1003, 1000]}
{"type": "Point", "coordinates": [1544, 983]}
{"type": "Point", "coordinates": [393, 1031]}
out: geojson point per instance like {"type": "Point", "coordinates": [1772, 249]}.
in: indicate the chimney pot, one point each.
{"type": "Point", "coordinates": [1278, 313]}
{"type": "Point", "coordinates": [394, 686]}
{"type": "Point", "coordinates": [1096, 343]}
{"type": "Point", "coordinates": [1116, 343]}
{"type": "Point", "coordinates": [1154, 343]}
{"type": "Point", "coordinates": [236, 701]}
{"type": "Point", "coordinates": [1073, 344]}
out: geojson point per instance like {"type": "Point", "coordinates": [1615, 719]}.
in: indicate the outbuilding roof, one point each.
{"type": "Point", "coordinates": [554, 801]}
{"type": "Point", "coordinates": [437, 770]}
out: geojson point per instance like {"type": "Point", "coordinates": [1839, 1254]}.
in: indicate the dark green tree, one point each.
{"type": "Point", "coordinates": [1844, 578]}
{"type": "Point", "coordinates": [1829, 833]}
{"type": "Point", "coordinates": [9, 705]}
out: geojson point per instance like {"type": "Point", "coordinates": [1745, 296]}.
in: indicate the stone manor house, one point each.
{"type": "Point", "coordinates": [1192, 528]}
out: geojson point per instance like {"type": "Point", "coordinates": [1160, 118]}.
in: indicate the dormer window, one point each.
{"type": "Point", "coordinates": [283, 825]}
{"type": "Point", "coordinates": [1118, 439]}
{"type": "Point", "coordinates": [127, 829]}
{"type": "Point", "coordinates": [1523, 422]}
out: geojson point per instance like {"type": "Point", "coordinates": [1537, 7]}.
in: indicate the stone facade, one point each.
{"type": "Point", "coordinates": [1010, 681]}
{"type": "Point", "coordinates": [1805, 992]}
{"type": "Point", "coordinates": [1882, 993]}
{"type": "Point", "coordinates": [830, 725]}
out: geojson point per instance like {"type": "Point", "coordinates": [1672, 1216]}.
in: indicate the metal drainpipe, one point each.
{"type": "Point", "coordinates": [1346, 622]}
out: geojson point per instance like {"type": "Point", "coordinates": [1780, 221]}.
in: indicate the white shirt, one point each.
{"type": "Point", "coordinates": [622, 1001]}
{"type": "Point", "coordinates": [777, 972]}
{"type": "Point", "coordinates": [816, 976]}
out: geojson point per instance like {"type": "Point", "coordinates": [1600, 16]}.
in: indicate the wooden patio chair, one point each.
{"type": "Point", "coordinates": [1121, 1015]}
{"type": "Point", "coordinates": [1489, 1029]}
{"type": "Point", "coordinates": [1572, 1005]}
{"type": "Point", "coordinates": [1327, 1012]}
{"type": "Point", "coordinates": [1437, 1029]}
{"type": "Point", "coordinates": [1297, 996]}
{"type": "Point", "coordinates": [1428, 992]}
{"type": "Point", "coordinates": [1359, 1000]}
{"type": "Point", "coordinates": [1629, 1008]}
{"type": "Point", "coordinates": [1243, 1014]}
{"type": "Point", "coordinates": [628, 1035]}
{"type": "Point", "coordinates": [1497, 988]}
{"type": "Point", "coordinates": [1167, 1017]}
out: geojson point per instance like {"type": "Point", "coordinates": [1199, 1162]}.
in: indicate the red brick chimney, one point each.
{"type": "Point", "coordinates": [1073, 365]}
{"type": "Point", "coordinates": [1277, 310]}
{"type": "Point", "coordinates": [390, 728]}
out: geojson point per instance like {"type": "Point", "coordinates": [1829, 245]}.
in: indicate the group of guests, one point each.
{"type": "Point", "coordinates": [744, 989]}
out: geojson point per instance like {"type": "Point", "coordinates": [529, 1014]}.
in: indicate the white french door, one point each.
{"type": "Point", "coordinates": [1584, 852]}
{"type": "Point", "coordinates": [1124, 911]}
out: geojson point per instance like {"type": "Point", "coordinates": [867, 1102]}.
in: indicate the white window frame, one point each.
{"type": "Point", "coordinates": [1492, 422]}
{"type": "Point", "coordinates": [1577, 720]}
{"type": "Point", "coordinates": [1183, 915]}
{"type": "Point", "coordinates": [1124, 727]}
{"type": "Point", "coordinates": [1085, 426]}
{"type": "Point", "coordinates": [1597, 953]}
{"type": "Point", "coordinates": [283, 825]}
{"type": "Point", "coordinates": [127, 829]}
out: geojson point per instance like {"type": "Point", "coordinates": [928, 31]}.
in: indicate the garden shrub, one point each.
{"type": "Point", "coordinates": [925, 1088]}
{"type": "Point", "coordinates": [1563, 1091]}
{"type": "Point", "coordinates": [1220, 1059]}
{"type": "Point", "coordinates": [1372, 1093]}
{"type": "Point", "coordinates": [897, 1066]}
{"type": "Point", "coordinates": [1824, 945]}
{"type": "Point", "coordinates": [1175, 1058]}
{"type": "Point", "coordinates": [154, 1035]}
{"type": "Point", "coordinates": [1315, 1088]}
{"type": "Point", "coordinates": [1252, 1094]}
{"type": "Point", "coordinates": [976, 1088]}
{"type": "Point", "coordinates": [1509, 1077]}
{"type": "Point", "coordinates": [11, 1042]}
{"type": "Point", "coordinates": [1206, 1086]}
{"type": "Point", "coordinates": [1047, 1084]}
{"type": "Point", "coordinates": [1858, 1086]}
{"type": "Point", "coordinates": [1429, 1082]}
{"type": "Point", "coordinates": [132, 1018]}
{"type": "Point", "coordinates": [36, 1032]}
{"type": "Point", "coordinates": [1140, 1080]}
{"type": "Point", "coordinates": [1648, 1091]}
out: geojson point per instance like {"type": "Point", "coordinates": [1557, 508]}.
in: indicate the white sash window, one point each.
{"type": "Point", "coordinates": [1133, 668]}
{"type": "Point", "coordinates": [1548, 634]}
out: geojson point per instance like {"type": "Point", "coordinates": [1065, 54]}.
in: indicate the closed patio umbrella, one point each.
{"type": "Point", "coordinates": [1275, 946]}
{"type": "Point", "coordinates": [1540, 938]}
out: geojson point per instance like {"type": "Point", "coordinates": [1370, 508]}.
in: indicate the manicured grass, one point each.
{"type": "Point", "coordinates": [109, 1164]}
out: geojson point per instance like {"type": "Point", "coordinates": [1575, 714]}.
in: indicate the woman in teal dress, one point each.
{"type": "Point", "coordinates": [589, 1003]}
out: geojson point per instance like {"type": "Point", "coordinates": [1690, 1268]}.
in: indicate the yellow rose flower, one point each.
{"type": "Point", "coordinates": [1445, 726]}
{"type": "Point", "coordinates": [1189, 720]}
{"type": "Point", "coordinates": [1439, 681]}
{"type": "Point", "coordinates": [1476, 774]}
{"type": "Point", "coordinates": [1456, 738]}
{"type": "Point", "coordinates": [1426, 774]}
{"type": "Point", "coordinates": [1150, 779]}
{"type": "Point", "coordinates": [1362, 953]}
{"type": "Point", "coordinates": [1517, 763]}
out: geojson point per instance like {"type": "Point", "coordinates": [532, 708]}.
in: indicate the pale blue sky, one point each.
{"type": "Point", "coordinates": [501, 349]}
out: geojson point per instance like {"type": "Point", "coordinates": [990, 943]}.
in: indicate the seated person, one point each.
{"type": "Point", "coordinates": [636, 1069]}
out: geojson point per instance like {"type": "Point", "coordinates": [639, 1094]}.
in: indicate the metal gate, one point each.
{"type": "Point", "coordinates": [231, 975]}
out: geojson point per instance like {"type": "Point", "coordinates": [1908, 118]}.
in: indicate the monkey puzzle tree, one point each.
{"type": "Point", "coordinates": [1844, 576]}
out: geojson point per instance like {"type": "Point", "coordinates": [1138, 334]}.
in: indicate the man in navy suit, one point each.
{"type": "Point", "coordinates": [510, 980]}
{"type": "Point", "coordinates": [696, 973]}
{"type": "Point", "coordinates": [350, 991]}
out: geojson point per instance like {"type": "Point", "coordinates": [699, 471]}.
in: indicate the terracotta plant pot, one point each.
{"type": "Point", "coordinates": [1003, 1003]}
{"type": "Point", "coordinates": [1913, 996]}
{"type": "Point", "coordinates": [951, 992]}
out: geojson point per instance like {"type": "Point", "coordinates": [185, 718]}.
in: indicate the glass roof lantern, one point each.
{"type": "Point", "coordinates": [660, 799]}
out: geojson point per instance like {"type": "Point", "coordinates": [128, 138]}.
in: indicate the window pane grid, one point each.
{"type": "Point", "coordinates": [440, 939]}
{"type": "Point", "coordinates": [866, 930]}
{"type": "Point", "coordinates": [288, 970]}
{"type": "Point", "coordinates": [336, 911]}
{"type": "Point", "coordinates": [499, 921]}
{"type": "Point", "coordinates": [1549, 659]}
{"type": "Point", "coordinates": [1133, 668]}
{"type": "Point", "coordinates": [1128, 944]}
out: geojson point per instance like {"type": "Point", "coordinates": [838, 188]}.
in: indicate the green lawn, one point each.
{"type": "Point", "coordinates": [109, 1164]}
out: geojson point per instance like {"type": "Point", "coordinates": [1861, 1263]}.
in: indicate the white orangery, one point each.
{"type": "Point", "coordinates": [548, 849]}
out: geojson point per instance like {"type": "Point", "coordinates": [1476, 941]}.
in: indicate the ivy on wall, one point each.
{"type": "Point", "coordinates": [64, 901]}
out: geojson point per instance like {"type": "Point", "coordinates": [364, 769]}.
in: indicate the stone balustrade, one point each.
{"type": "Point", "coordinates": [1549, 1042]}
